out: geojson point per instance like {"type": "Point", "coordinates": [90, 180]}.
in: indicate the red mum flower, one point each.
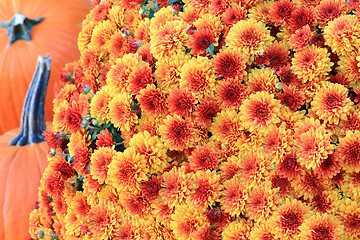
{"type": "Point", "coordinates": [321, 227]}
{"type": "Point", "coordinates": [140, 77]}
{"type": "Point", "coordinates": [200, 40]}
{"type": "Point", "coordinates": [349, 151]}
{"type": "Point", "coordinates": [73, 117]}
{"type": "Point", "coordinates": [277, 54]}
{"type": "Point", "coordinates": [289, 167]}
{"type": "Point", "coordinates": [230, 64]}
{"type": "Point", "coordinates": [328, 10]}
{"type": "Point", "coordinates": [233, 15]}
{"type": "Point", "coordinates": [203, 158]}
{"type": "Point", "coordinates": [206, 111]}
{"type": "Point", "coordinates": [330, 166]}
{"type": "Point", "coordinates": [291, 97]}
{"type": "Point", "coordinates": [231, 93]}
{"type": "Point", "coordinates": [301, 17]}
{"type": "Point", "coordinates": [152, 100]}
{"type": "Point", "coordinates": [104, 139]}
{"type": "Point", "coordinates": [283, 184]}
{"type": "Point", "coordinates": [150, 188]}
{"type": "Point", "coordinates": [301, 38]}
{"type": "Point", "coordinates": [181, 102]}
{"type": "Point", "coordinates": [281, 11]}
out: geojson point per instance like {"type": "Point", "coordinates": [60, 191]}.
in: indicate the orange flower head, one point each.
{"type": "Point", "coordinates": [280, 11]}
{"type": "Point", "coordinates": [277, 54]}
{"type": "Point", "coordinates": [211, 22]}
{"type": "Point", "coordinates": [205, 111]}
{"type": "Point", "coordinates": [177, 133]}
{"type": "Point", "coordinates": [259, 111]}
{"type": "Point", "coordinates": [142, 32]}
{"type": "Point", "coordinates": [186, 221]}
{"type": "Point", "coordinates": [227, 126]}
{"type": "Point", "coordinates": [263, 202]}
{"type": "Point", "coordinates": [120, 112]}
{"type": "Point", "coordinates": [349, 151]}
{"type": "Point", "coordinates": [229, 167]}
{"type": "Point", "coordinates": [321, 227]}
{"type": "Point", "coordinates": [231, 93]}
{"type": "Point", "coordinates": [351, 185]}
{"type": "Point", "coordinates": [233, 14]}
{"type": "Point", "coordinates": [311, 64]}
{"type": "Point", "coordinates": [181, 102]}
{"type": "Point", "coordinates": [152, 100]}
{"type": "Point", "coordinates": [200, 41]}
{"type": "Point", "coordinates": [349, 67]}
{"type": "Point", "coordinates": [342, 34]}
{"type": "Point", "coordinates": [101, 33]}
{"type": "Point", "coordinates": [328, 10]}
{"type": "Point", "coordinates": [287, 219]}
{"type": "Point", "coordinates": [310, 184]}
{"type": "Point", "coordinates": [301, 17]}
{"type": "Point", "coordinates": [348, 213]}
{"type": "Point", "coordinates": [169, 39]}
{"type": "Point", "coordinates": [205, 189]}
{"type": "Point", "coordinates": [152, 149]}
{"type": "Point", "coordinates": [291, 97]}
{"type": "Point", "coordinates": [236, 230]}
{"type": "Point", "coordinates": [262, 79]}
{"type": "Point", "coordinates": [249, 38]}
{"type": "Point", "coordinates": [127, 169]}
{"type": "Point", "coordinates": [283, 184]}
{"type": "Point", "coordinates": [203, 158]}
{"type": "Point", "coordinates": [134, 203]}
{"type": "Point", "coordinates": [100, 160]}
{"type": "Point", "coordinates": [198, 75]}
{"type": "Point", "coordinates": [176, 186]}
{"type": "Point", "coordinates": [330, 166]}
{"type": "Point", "coordinates": [234, 197]}
{"type": "Point", "coordinates": [325, 201]}
{"type": "Point", "coordinates": [140, 77]}
{"type": "Point", "coordinates": [331, 103]}
{"type": "Point", "coordinates": [300, 38]}
{"type": "Point", "coordinates": [229, 64]}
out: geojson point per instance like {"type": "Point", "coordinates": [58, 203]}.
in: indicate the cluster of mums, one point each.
{"type": "Point", "coordinates": [207, 119]}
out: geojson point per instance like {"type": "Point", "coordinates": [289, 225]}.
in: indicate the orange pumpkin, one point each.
{"type": "Point", "coordinates": [22, 165]}
{"type": "Point", "coordinates": [55, 33]}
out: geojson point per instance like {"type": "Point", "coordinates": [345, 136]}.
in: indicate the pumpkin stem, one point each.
{"type": "Point", "coordinates": [33, 123]}
{"type": "Point", "coordinates": [19, 27]}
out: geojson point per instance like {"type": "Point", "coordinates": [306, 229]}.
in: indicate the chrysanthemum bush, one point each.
{"type": "Point", "coordinates": [197, 119]}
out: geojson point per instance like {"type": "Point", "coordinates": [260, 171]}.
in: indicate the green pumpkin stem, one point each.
{"type": "Point", "coordinates": [19, 27]}
{"type": "Point", "coordinates": [33, 123]}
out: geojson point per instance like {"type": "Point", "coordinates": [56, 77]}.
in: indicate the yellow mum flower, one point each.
{"type": "Point", "coordinates": [248, 37]}
{"type": "Point", "coordinates": [99, 106]}
{"type": "Point", "coordinates": [262, 79]}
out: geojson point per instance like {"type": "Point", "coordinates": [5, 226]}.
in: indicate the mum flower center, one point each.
{"type": "Point", "coordinates": [333, 101]}
{"type": "Point", "coordinates": [290, 221]}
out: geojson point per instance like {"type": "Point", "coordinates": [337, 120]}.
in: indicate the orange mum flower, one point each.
{"type": "Point", "coordinates": [198, 75]}
{"type": "Point", "coordinates": [259, 111]}
{"type": "Point", "coordinates": [200, 40]}
{"type": "Point", "coordinates": [100, 159]}
{"type": "Point", "coordinates": [142, 32]}
{"type": "Point", "coordinates": [233, 14]}
{"type": "Point", "coordinates": [181, 102]}
{"type": "Point", "coordinates": [342, 34]}
{"type": "Point", "coordinates": [104, 220]}
{"type": "Point", "coordinates": [263, 201]}
{"type": "Point", "coordinates": [262, 79]}
{"type": "Point", "coordinates": [203, 158]}
{"type": "Point", "coordinates": [90, 61]}
{"type": "Point", "coordinates": [152, 149]}
{"type": "Point", "coordinates": [169, 39]}
{"type": "Point", "coordinates": [313, 147]}
{"type": "Point", "coordinates": [280, 12]}
{"type": "Point", "coordinates": [60, 116]}
{"type": "Point", "coordinates": [351, 186]}
{"type": "Point", "coordinates": [283, 184]}
{"type": "Point", "coordinates": [349, 67]}
{"type": "Point", "coordinates": [236, 230]}
{"type": "Point", "coordinates": [120, 112]}
{"type": "Point", "coordinates": [301, 17]}
{"type": "Point", "coordinates": [130, 229]}
{"type": "Point", "coordinates": [262, 232]}
{"type": "Point", "coordinates": [135, 203]}
{"type": "Point", "coordinates": [231, 93]}
{"type": "Point", "coordinates": [211, 22]}
{"type": "Point", "coordinates": [99, 106]}
{"type": "Point", "coordinates": [177, 133]}
{"type": "Point", "coordinates": [249, 38]}
{"type": "Point", "coordinates": [227, 127]}
{"type": "Point", "coordinates": [205, 189]}
{"type": "Point", "coordinates": [287, 219]}
{"type": "Point", "coordinates": [349, 214]}
{"type": "Point", "coordinates": [186, 221]}
{"type": "Point", "coordinates": [330, 166]}
{"type": "Point", "coordinates": [140, 77]}
{"type": "Point", "coordinates": [300, 38]}
{"type": "Point", "coordinates": [176, 186]}
{"type": "Point", "coordinates": [234, 197]}
{"type": "Point", "coordinates": [321, 227]}
{"type": "Point", "coordinates": [117, 77]}
{"type": "Point", "coordinates": [311, 64]}
{"type": "Point", "coordinates": [152, 100]}
{"type": "Point", "coordinates": [254, 167]}
{"type": "Point", "coordinates": [168, 71]}
{"type": "Point", "coordinates": [229, 168]}
{"type": "Point", "coordinates": [205, 111]}
{"type": "Point", "coordinates": [161, 211]}
{"type": "Point", "coordinates": [331, 103]}
{"type": "Point", "coordinates": [325, 201]}
{"type": "Point", "coordinates": [309, 184]}
{"type": "Point", "coordinates": [291, 97]}
{"type": "Point", "coordinates": [127, 169]}
{"type": "Point", "coordinates": [101, 33]}
{"type": "Point", "coordinates": [277, 54]}
{"type": "Point", "coordinates": [349, 151]}
{"type": "Point", "coordinates": [229, 64]}
{"type": "Point", "coordinates": [328, 10]}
